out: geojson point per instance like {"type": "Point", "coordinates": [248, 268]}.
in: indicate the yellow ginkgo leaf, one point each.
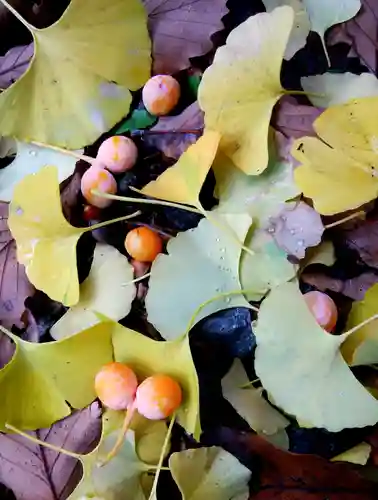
{"type": "Point", "coordinates": [182, 182]}
{"type": "Point", "coordinates": [68, 96]}
{"type": "Point", "coordinates": [238, 91]}
{"type": "Point", "coordinates": [340, 171]}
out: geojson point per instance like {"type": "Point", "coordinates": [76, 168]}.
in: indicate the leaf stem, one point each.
{"type": "Point", "coordinates": [27, 25]}
{"type": "Point", "coordinates": [249, 383]}
{"type": "Point", "coordinates": [9, 334]}
{"type": "Point", "coordinates": [147, 275]}
{"type": "Point", "coordinates": [161, 458]}
{"type": "Point", "coordinates": [130, 199]}
{"type": "Point", "coordinates": [67, 152]}
{"type": "Point", "coordinates": [345, 219]}
{"type": "Point", "coordinates": [35, 440]}
{"type": "Point", "coordinates": [361, 325]}
{"type": "Point", "coordinates": [302, 92]}
{"type": "Point", "coordinates": [112, 221]}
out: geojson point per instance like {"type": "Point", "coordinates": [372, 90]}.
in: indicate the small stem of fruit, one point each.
{"type": "Point", "coordinates": [35, 440]}
{"type": "Point", "coordinates": [302, 92]}
{"type": "Point", "coordinates": [161, 458]}
{"type": "Point", "coordinates": [345, 219]}
{"type": "Point", "coordinates": [156, 467]}
{"type": "Point", "coordinates": [147, 275]}
{"type": "Point", "coordinates": [361, 325]}
{"type": "Point", "coordinates": [112, 221]}
{"type": "Point", "coordinates": [130, 412]}
{"type": "Point", "coordinates": [145, 201]}
{"type": "Point", "coordinates": [249, 383]}
{"type": "Point", "coordinates": [18, 16]}
{"type": "Point", "coordinates": [67, 152]}
{"type": "Point", "coordinates": [9, 334]}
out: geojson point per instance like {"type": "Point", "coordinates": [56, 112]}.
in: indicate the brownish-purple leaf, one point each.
{"type": "Point", "coordinates": [181, 29]}
{"type": "Point", "coordinates": [14, 64]}
{"type": "Point", "coordinates": [364, 239]}
{"type": "Point", "coordinates": [293, 119]}
{"type": "Point", "coordinates": [174, 134]}
{"type": "Point", "coordinates": [355, 288]}
{"type": "Point", "coordinates": [14, 284]}
{"type": "Point", "coordinates": [34, 472]}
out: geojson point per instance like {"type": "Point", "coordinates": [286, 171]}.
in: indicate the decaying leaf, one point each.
{"type": "Point", "coordinates": [355, 288]}
{"type": "Point", "coordinates": [206, 473]}
{"type": "Point", "coordinates": [364, 239]}
{"type": "Point", "coordinates": [33, 471]}
{"type": "Point", "coordinates": [46, 242]}
{"type": "Point", "coordinates": [68, 96]}
{"type": "Point", "coordinates": [181, 29]}
{"type": "Point", "coordinates": [344, 161]}
{"type": "Point", "coordinates": [296, 227]}
{"type": "Point", "coordinates": [14, 284]}
{"type": "Point", "coordinates": [249, 403]}
{"type": "Point", "coordinates": [201, 263]}
{"type": "Point", "coordinates": [293, 119]}
{"type": "Point", "coordinates": [331, 89]}
{"type": "Point", "coordinates": [183, 181]}
{"type": "Point", "coordinates": [176, 133]}
{"type": "Point", "coordinates": [301, 26]}
{"type": "Point", "coordinates": [107, 290]}
{"type": "Point", "coordinates": [301, 367]}
{"type": "Point", "coordinates": [359, 455]}
{"type": "Point", "coordinates": [361, 348]}
{"type": "Point", "coordinates": [238, 91]}
{"type": "Point", "coordinates": [40, 379]}
{"type": "Point", "coordinates": [14, 64]}
{"type": "Point", "coordinates": [29, 160]}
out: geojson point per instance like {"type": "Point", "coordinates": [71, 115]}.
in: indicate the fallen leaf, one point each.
{"type": "Point", "coordinates": [182, 29]}
{"type": "Point", "coordinates": [107, 290]}
{"type": "Point", "coordinates": [206, 473]}
{"type": "Point", "coordinates": [139, 120]}
{"type": "Point", "coordinates": [46, 242]}
{"type": "Point", "coordinates": [174, 134]}
{"type": "Point", "coordinates": [33, 471]}
{"type": "Point", "coordinates": [322, 254]}
{"type": "Point", "coordinates": [302, 369]}
{"type": "Point", "coordinates": [331, 89]}
{"type": "Point", "coordinates": [29, 160]}
{"type": "Point", "coordinates": [364, 239]}
{"type": "Point", "coordinates": [183, 181]}
{"type": "Point", "coordinates": [68, 96]}
{"type": "Point", "coordinates": [361, 348]}
{"type": "Point", "coordinates": [174, 358]}
{"type": "Point", "coordinates": [14, 285]}
{"type": "Point", "coordinates": [201, 263]}
{"type": "Point", "coordinates": [14, 64]}
{"type": "Point", "coordinates": [343, 161]}
{"type": "Point", "coordinates": [296, 228]}
{"type": "Point", "coordinates": [249, 402]}
{"type": "Point", "coordinates": [301, 27]}
{"type": "Point", "coordinates": [359, 455]}
{"type": "Point", "coordinates": [40, 379]}
{"type": "Point", "coordinates": [293, 119]}
{"type": "Point", "coordinates": [355, 288]}
{"type": "Point", "coordinates": [238, 91]}
{"type": "Point", "coordinates": [149, 439]}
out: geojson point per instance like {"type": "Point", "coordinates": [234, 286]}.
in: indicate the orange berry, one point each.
{"type": "Point", "coordinates": [118, 154]}
{"type": "Point", "coordinates": [116, 385]}
{"type": "Point", "coordinates": [323, 309]}
{"type": "Point", "coordinates": [161, 94]}
{"type": "Point", "coordinates": [158, 397]}
{"type": "Point", "coordinates": [98, 178]}
{"type": "Point", "coordinates": [143, 244]}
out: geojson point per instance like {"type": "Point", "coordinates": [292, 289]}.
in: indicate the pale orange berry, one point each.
{"type": "Point", "coordinates": [116, 385]}
{"type": "Point", "coordinates": [161, 94]}
{"type": "Point", "coordinates": [158, 397]}
{"type": "Point", "coordinates": [323, 309]}
{"type": "Point", "coordinates": [143, 244]}
{"type": "Point", "coordinates": [118, 154]}
{"type": "Point", "coordinates": [98, 178]}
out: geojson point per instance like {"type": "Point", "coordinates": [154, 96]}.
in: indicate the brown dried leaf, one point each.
{"type": "Point", "coordinates": [364, 239]}
{"type": "Point", "coordinates": [34, 472]}
{"type": "Point", "coordinates": [181, 29]}
{"type": "Point", "coordinates": [293, 119]}
{"type": "Point", "coordinates": [355, 288]}
{"type": "Point", "coordinates": [296, 227]}
{"type": "Point", "coordinates": [14, 64]}
{"type": "Point", "coordinates": [14, 285]}
{"type": "Point", "coordinates": [173, 139]}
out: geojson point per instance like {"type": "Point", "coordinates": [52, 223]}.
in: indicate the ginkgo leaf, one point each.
{"type": "Point", "coordinates": [249, 403]}
{"type": "Point", "coordinates": [68, 96]}
{"type": "Point", "coordinates": [266, 268]}
{"type": "Point", "coordinates": [206, 473]}
{"type": "Point", "coordinates": [46, 242]}
{"type": "Point", "coordinates": [361, 347]}
{"type": "Point", "coordinates": [238, 91]}
{"type": "Point", "coordinates": [260, 196]}
{"type": "Point", "coordinates": [107, 290]}
{"type": "Point", "coordinates": [211, 268]}
{"type": "Point", "coordinates": [344, 161]}
{"type": "Point", "coordinates": [301, 26]}
{"type": "Point", "coordinates": [182, 182]}
{"type": "Point", "coordinates": [322, 254]}
{"type": "Point", "coordinates": [147, 356]}
{"type": "Point", "coordinates": [40, 379]}
{"type": "Point", "coordinates": [325, 13]}
{"type": "Point", "coordinates": [331, 89]}
{"type": "Point", "coordinates": [359, 454]}
{"type": "Point", "coordinates": [29, 160]}
{"type": "Point", "coordinates": [301, 367]}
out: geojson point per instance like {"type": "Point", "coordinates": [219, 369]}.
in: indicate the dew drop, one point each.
{"type": "Point", "coordinates": [33, 153]}
{"type": "Point", "coordinates": [292, 231]}
{"type": "Point", "coordinates": [301, 243]}
{"type": "Point", "coordinates": [228, 300]}
{"type": "Point", "coordinates": [222, 250]}
{"type": "Point", "coordinates": [217, 240]}
{"type": "Point", "coordinates": [271, 230]}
